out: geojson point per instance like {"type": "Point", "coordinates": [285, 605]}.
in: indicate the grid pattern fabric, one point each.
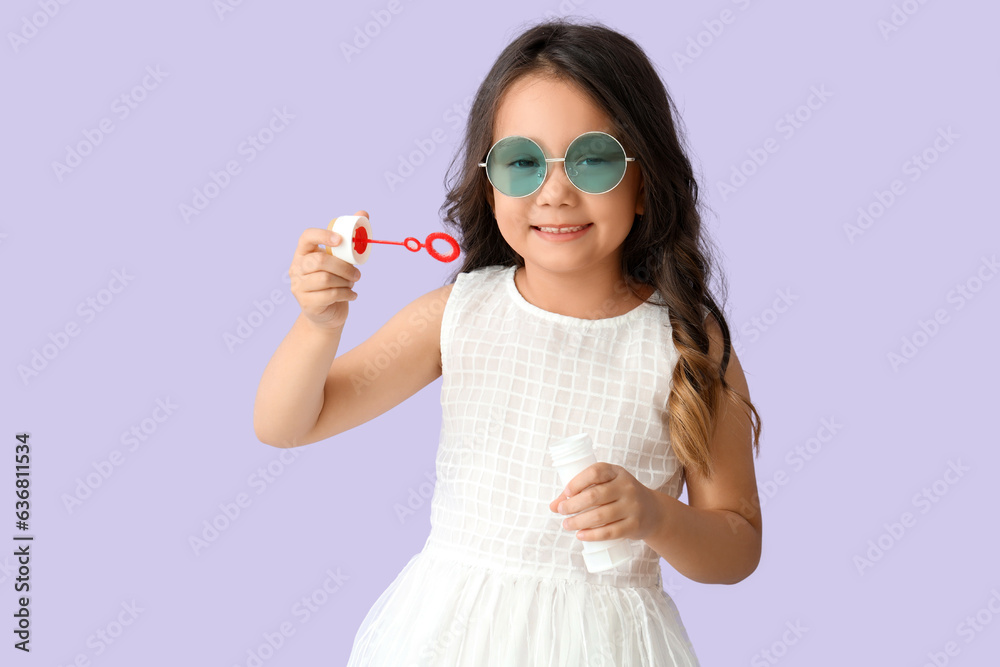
{"type": "Point", "coordinates": [515, 379]}
{"type": "Point", "coordinates": [499, 580]}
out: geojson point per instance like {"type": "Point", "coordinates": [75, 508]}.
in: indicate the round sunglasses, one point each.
{"type": "Point", "coordinates": [595, 163]}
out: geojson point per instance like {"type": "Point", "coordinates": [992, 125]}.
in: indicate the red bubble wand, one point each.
{"type": "Point", "coordinates": [361, 242]}
{"type": "Point", "coordinates": [358, 229]}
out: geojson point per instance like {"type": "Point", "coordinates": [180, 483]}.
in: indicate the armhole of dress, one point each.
{"type": "Point", "coordinates": [448, 320]}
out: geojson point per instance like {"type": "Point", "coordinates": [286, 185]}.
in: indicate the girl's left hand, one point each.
{"type": "Point", "coordinates": [620, 505]}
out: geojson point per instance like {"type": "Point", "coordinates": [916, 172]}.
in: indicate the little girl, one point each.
{"type": "Point", "coordinates": [582, 306]}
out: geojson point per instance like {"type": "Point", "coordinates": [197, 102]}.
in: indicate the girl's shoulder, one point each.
{"type": "Point", "coordinates": [487, 277]}
{"type": "Point", "coordinates": [483, 273]}
{"type": "Point", "coordinates": [474, 290]}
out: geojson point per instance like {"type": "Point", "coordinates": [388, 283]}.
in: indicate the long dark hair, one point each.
{"type": "Point", "coordinates": [665, 247]}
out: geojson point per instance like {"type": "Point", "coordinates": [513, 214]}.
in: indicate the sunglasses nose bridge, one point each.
{"type": "Point", "coordinates": [563, 168]}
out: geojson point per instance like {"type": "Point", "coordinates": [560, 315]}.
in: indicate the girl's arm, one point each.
{"type": "Point", "coordinates": [308, 393]}
{"type": "Point", "coordinates": [716, 538]}
{"type": "Point", "coordinates": [290, 394]}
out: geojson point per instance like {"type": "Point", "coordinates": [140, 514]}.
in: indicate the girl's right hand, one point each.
{"type": "Point", "coordinates": [322, 283]}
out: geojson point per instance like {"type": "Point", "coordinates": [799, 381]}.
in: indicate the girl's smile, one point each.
{"type": "Point", "coordinates": [562, 233]}
{"type": "Point", "coordinates": [576, 272]}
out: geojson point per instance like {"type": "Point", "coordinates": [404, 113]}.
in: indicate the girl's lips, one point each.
{"type": "Point", "coordinates": [584, 226]}
{"type": "Point", "coordinates": [563, 236]}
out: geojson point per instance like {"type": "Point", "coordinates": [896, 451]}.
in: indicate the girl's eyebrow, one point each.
{"type": "Point", "coordinates": [537, 140]}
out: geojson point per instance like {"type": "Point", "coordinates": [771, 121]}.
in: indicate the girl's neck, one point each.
{"type": "Point", "coordinates": [591, 296]}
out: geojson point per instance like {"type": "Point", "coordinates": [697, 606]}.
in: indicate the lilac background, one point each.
{"type": "Point", "coordinates": [334, 507]}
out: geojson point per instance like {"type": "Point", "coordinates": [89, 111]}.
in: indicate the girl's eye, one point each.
{"type": "Point", "coordinates": [523, 163]}
{"type": "Point", "coordinates": [592, 161]}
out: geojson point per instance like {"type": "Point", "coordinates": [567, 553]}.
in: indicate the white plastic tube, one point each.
{"type": "Point", "coordinates": [346, 226]}
{"type": "Point", "coordinates": [570, 457]}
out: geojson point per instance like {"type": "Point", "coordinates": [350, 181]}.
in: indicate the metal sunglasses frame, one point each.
{"type": "Point", "coordinates": [556, 159]}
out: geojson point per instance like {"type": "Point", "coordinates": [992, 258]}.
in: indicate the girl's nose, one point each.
{"type": "Point", "coordinates": [556, 187]}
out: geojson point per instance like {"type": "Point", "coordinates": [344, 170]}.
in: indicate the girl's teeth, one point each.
{"type": "Point", "coordinates": [562, 231]}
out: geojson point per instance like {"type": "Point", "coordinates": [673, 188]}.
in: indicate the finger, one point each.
{"type": "Point", "coordinates": [554, 505]}
{"type": "Point", "coordinates": [322, 298]}
{"type": "Point", "coordinates": [605, 531]}
{"type": "Point", "coordinates": [592, 474]}
{"type": "Point", "coordinates": [595, 517]}
{"type": "Point", "coordinates": [595, 496]}
{"type": "Point", "coordinates": [567, 506]}
{"type": "Point", "coordinates": [313, 237]}
{"type": "Point", "coordinates": [318, 270]}
{"type": "Point", "coordinates": [319, 281]}
{"type": "Point", "coordinates": [577, 483]}
{"type": "Point", "coordinates": [580, 521]}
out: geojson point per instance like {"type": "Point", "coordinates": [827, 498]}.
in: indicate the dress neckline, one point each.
{"type": "Point", "coordinates": [508, 277]}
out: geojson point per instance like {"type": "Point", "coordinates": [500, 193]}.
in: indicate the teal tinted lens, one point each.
{"type": "Point", "coordinates": [516, 166]}
{"type": "Point", "coordinates": [595, 162]}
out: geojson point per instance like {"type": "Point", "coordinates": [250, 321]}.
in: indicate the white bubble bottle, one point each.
{"type": "Point", "coordinates": [570, 457]}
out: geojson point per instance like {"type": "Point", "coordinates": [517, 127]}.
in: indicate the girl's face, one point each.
{"type": "Point", "coordinates": [553, 113]}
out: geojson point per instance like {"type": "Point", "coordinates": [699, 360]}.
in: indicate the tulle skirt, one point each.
{"type": "Point", "coordinates": [442, 612]}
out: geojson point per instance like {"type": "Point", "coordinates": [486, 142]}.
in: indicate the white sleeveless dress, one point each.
{"type": "Point", "coordinates": [499, 581]}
